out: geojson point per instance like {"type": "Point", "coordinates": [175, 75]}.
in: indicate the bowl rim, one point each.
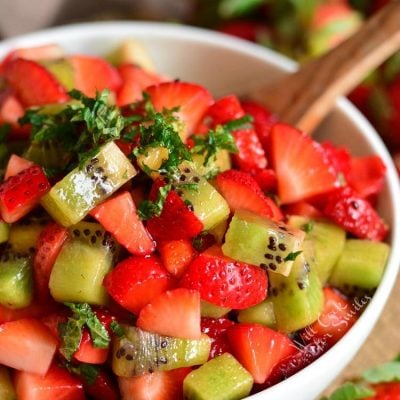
{"type": "Point", "coordinates": [363, 325]}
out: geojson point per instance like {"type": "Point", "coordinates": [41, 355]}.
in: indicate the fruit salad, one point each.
{"type": "Point", "coordinates": [160, 243]}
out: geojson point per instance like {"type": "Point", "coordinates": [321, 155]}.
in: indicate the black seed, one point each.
{"type": "Point", "coordinates": [190, 207]}
{"type": "Point", "coordinates": [94, 160]}
{"type": "Point", "coordinates": [93, 239]}
{"type": "Point", "coordinates": [89, 168]}
{"type": "Point", "coordinates": [163, 360]}
{"type": "Point", "coordinates": [164, 344]}
{"type": "Point", "coordinates": [272, 266]}
{"type": "Point", "coordinates": [301, 285]}
{"type": "Point", "coordinates": [196, 179]}
{"type": "Point", "coordinates": [151, 370]}
{"type": "Point", "coordinates": [129, 357]}
{"type": "Point", "coordinates": [282, 246]}
{"type": "Point", "coordinates": [274, 292]}
{"type": "Point", "coordinates": [182, 178]}
{"type": "Point", "coordinates": [86, 232]}
{"type": "Point", "coordinates": [186, 170]}
{"type": "Point", "coordinates": [98, 233]}
{"type": "Point", "coordinates": [76, 232]}
{"type": "Point", "coordinates": [264, 266]}
{"type": "Point", "coordinates": [355, 205]}
{"type": "Point", "coordinates": [272, 240]}
{"type": "Point", "coordinates": [279, 259]}
{"type": "Point", "coordinates": [272, 247]}
{"type": "Point", "coordinates": [100, 170]}
{"type": "Point", "coordinates": [269, 256]}
{"type": "Point", "coordinates": [104, 178]}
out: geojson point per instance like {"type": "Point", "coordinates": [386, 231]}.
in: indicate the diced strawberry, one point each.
{"type": "Point", "coordinates": [88, 353]}
{"type": "Point", "coordinates": [118, 215]}
{"type": "Point", "coordinates": [11, 110]}
{"type": "Point", "coordinates": [36, 53]}
{"type": "Point", "coordinates": [386, 391]}
{"type": "Point", "coordinates": [224, 281]}
{"type": "Point", "coordinates": [135, 281]}
{"type": "Point", "coordinates": [15, 165]}
{"type": "Point", "coordinates": [103, 388]}
{"type": "Point", "coordinates": [58, 384]}
{"type": "Point", "coordinates": [301, 166]}
{"type": "Point", "coordinates": [174, 313]}
{"type": "Point", "coordinates": [134, 80]}
{"type": "Point", "coordinates": [241, 191]}
{"type": "Point", "coordinates": [302, 208]}
{"type": "Point", "coordinates": [27, 345]}
{"type": "Point", "coordinates": [266, 179]}
{"type": "Point", "coordinates": [360, 95]}
{"type": "Point", "coordinates": [367, 175]}
{"type": "Point", "coordinates": [53, 320]}
{"type": "Point", "coordinates": [164, 385]}
{"type": "Point", "coordinates": [215, 329]}
{"type": "Point", "coordinates": [176, 221]}
{"type": "Point", "coordinates": [50, 242]}
{"type": "Point", "coordinates": [192, 100]}
{"type": "Point", "coordinates": [33, 84]}
{"type": "Point", "coordinates": [225, 109]}
{"type": "Point", "coordinates": [19, 194]}
{"type": "Point", "coordinates": [176, 255]}
{"type": "Point", "coordinates": [258, 348]}
{"type": "Point", "coordinates": [355, 214]}
{"type": "Point", "coordinates": [337, 317]}
{"type": "Point", "coordinates": [94, 74]}
{"type": "Point", "coordinates": [339, 158]}
{"type": "Point", "coordinates": [247, 30]}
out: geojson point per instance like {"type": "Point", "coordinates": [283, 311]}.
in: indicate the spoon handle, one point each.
{"type": "Point", "coordinates": [304, 98]}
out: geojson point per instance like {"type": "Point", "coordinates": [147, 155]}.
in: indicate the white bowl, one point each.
{"type": "Point", "coordinates": [228, 65]}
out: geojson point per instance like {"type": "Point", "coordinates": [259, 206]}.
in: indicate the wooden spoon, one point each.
{"type": "Point", "coordinates": [305, 97]}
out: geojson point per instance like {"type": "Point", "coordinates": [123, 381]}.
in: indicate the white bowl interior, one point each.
{"type": "Point", "coordinates": [227, 65]}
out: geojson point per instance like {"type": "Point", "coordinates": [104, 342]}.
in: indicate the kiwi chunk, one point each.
{"type": "Point", "coordinates": [212, 310]}
{"type": "Point", "coordinates": [7, 391]}
{"type": "Point", "coordinates": [138, 352]}
{"type": "Point", "coordinates": [262, 313]}
{"type": "Point", "coordinates": [221, 163]}
{"type": "Point", "coordinates": [257, 240]}
{"type": "Point", "coordinates": [16, 282]}
{"type": "Point", "coordinates": [84, 260]}
{"type": "Point", "coordinates": [4, 231]}
{"type": "Point", "coordinates": [360, 266]}
{"type": "Point", "coordinates": [71, 199]}
{"type": "Point", "coordinates": [222, 378]}
{"type": "Point", "coordinates": [62, 70]}
{"type": "Point", "coordinates": [327, 243]}
{"type": "Point", "coordinates": [298, 298]}
{"type": "Point", "coordinates": [47, 154]}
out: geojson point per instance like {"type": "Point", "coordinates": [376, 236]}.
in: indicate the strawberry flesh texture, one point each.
{"type": "Point", "coordinates": [11, 110]}
{"type": "Point", "coordinates": [19, 194]}
{"type": "Point", "coordinates": [224, 281]}
{"type": "Point", "coordinates": [386, 391]}
{"type": "Point", "coordinates": [15, 165]}
{"type": "Point", "coordinates": [135, 281]}
{"type": "Point", "coordinates": [338, 157]}
{"type": "Point", "coordinates": [33, 84]}
{"type": "Point", "coordinates": [215, 329]}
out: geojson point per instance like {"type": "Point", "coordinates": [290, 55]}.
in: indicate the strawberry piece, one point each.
{"type": "Point", "coordinates": [355, 214]}
{"type": "Point", "coordinates": [258, 348]}
{"type": "Point", "coordinates": [366, 175]}
{"type": "Point", "coordinates": [19, 194]}
{"type": "Point", "coordinates": [27, 345]}
{"type": "Point", "coordinates": [36, 53]}
{"type": "Point", "coordinates": [15, 165]}
{"type": "Point", "coordinates": [174, 313]}
{"type": "Point", "coordinates": [11, 110]}
{"type": "Point", "coordinates": [176, 221]}
{"type": "Point", "coordinates": [135, 281]}
{"type": "Point", "coordinates": [50, 242]}
{"type": "Point", "coordinates": [118, 215]}
{"type": "Point", "coordinates": [53, 320]}
{"type": "Point", "coordinates": [134, 80]}
{"type": "Point", "coordinates": [224, 281]}
{"type": "Point", "coordinates": [103, 388]}
{"type": "Point", "coordinates": [302, 208]}
{"type": "Point", "coordinates": [216, 330]}
{"type": "Point", "coordinates": [266, 179]}
{"type": "Point", "coordinates": [58, 384]}
{"type": "Point", "coordinates": [176, 255]}
{"type": "Point", "coordinates": [165, 385]}
{"type": "Point", "coordinates": [94, 74]}
{"type": "Point", "coordinates": [339, 158]}
{"type": "Point", "coordinates": [386, 391]}
{"type": "Point", "coordinates": [33, 84]}
{"type": "Point", "coordinates": [192, 100]}
{"type": "Point", "coordinates": [301, 166]}
{"type": "Point", "coordinates": [224, 110]}
{"type": "Point", "coordinates": [241, 191]}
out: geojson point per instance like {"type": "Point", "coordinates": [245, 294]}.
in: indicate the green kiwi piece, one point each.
{"type": "Point", "coordinates": [62, 71]}
{"type": "Point", "coordinates": [7, 391]}
{"type": "Point", "coordinates": [361, 265]}
{"type": "Point", "coordinates": [47, 154]}
{"type": "Point", "coordinates": [4, 231]}
{"type": "Point", "coordinates": [222, 378]}
{"type": "Point", "coordinates": [84, 260]}
{"type": "Point", "coordinates": [298, 298]}
{"type": "Point", "coordinates": [212, 310]}
{"type": "Point", "coordinates": [262, 313]}
{"type": "Point", "coordinates": [138, 352]}
{"type": "Point", "coordinates": [16, 281]}
{"type": "Point", "coordinates": [327, 240]}
{"type": "Point", "coordinates": [258, 240]}
{"type": "Point", "coordinates": [71, 199]}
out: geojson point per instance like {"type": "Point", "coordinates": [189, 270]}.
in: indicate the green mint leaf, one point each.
{"type": "Point", "coordinates": [117, 329]}
{"type": "Point", "coordinates": [236, 8]}
{"type": "Point", "coordinates": [383, 373]}
{"type": "Point", "coordinates": [88, 372]}
{"type": "Point", "coordinates": [71, 335]}
{"type": "Point", "coordinates": [351, 391]}
{"type": "Point", "coordinates": [5, 129]}
{"type": "Point", "coordinates": [148, 208]}
{"type": "Point", "coordinates": [292, 255]}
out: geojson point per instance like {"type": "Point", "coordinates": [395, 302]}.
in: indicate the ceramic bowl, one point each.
{"type": "Point", "coordinates": [227, 65]}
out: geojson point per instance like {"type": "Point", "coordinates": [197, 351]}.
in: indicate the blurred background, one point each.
{"type": "Point", "coordinates": [301, 29]}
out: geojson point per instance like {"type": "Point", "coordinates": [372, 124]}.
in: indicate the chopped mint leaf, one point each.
{"type": "Point", "coordinates": [351, 391]}
{"type": "Point", "coordinates": [308, 227]}
{"type": "Point", "coordinates": [292, 255]}
{"type": "Point", "coordinates": [5, 129]}
{"type": "Point", "coordinates": [236, 8]}
{"type": "Point", "coordinates": [117, 328]}
{"type": "Point", "coordinates": [200, 241]}
{"type": "Point", "coordinates": [148, 208]}
{"type": "Point", "coordinates": [88, 372]}
{"type": "Point", "coordinates": [383, 373]}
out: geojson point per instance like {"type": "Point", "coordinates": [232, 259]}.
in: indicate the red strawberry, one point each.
{"type": "Point", "coordinates": [50, 242]}
{"type": "Point", "coordinates": [94, 74]}
{"type": "Point", "coordinates": [36, 53]}
{"type": "Point", "coordinates": [300, 163]}
{"type": "Point", "coordinates": [355, 214]}
{"type": "Point", "coordinates": [15, 165]}
{"type": "Point", "coordinates": [103, 388]}
{"type": "Point", "coordinates": [223, 110]}
{"type": "Point", "coordinates": [174, 313]}
{"type": "Point", "coordinates": [135, 281]}
{"type": "Point", "coordinates": [302, 208]}
{"type": "Point", "coordinates": [266, 179]}
{"type": "Point", "coordinates": [192, 100]}
{"type": "Point", "coordinates": [176, 255]}
{"type": "Point", "coordinates": [241, 191]}
{"type": "Point", "coordinates": [33, 84]}
{"type": "Point", "coordinates": [118, 215]}
{"type": "Point", "coordinates": [225, 282]}
{"type": "Point", "coordinates": [134, 80]}
{"type": "Point", "coordinates": [247, 30]}
{"type": "Point", "coordinates": [386, 391]}
{"type": "Point", "coordinates": [216, 330]}
{"type": "Point", "coordinates": [165, 385]}
{"type": "Point", "coordinates": [58, 384]}
{"type": "Point", "coordinates": [258, 348]}
{"type": "Point", "coordinates": [11, 110]}
{"type": "Point", "coordinates": [19, 194]}
{"type": "Point", "coordinates": [339, 158]}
